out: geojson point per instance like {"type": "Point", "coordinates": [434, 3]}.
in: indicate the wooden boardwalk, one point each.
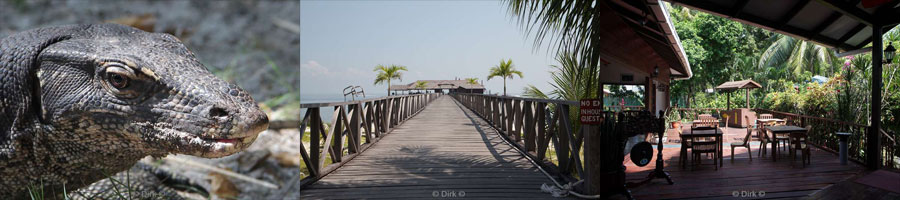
{"type": "Point", "coordinates": [446, 151]}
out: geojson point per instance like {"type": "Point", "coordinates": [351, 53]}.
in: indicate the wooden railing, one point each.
{"type": "Point", "coordinates": [533, 126]}
{"type": "Point", "coordinates": [690, 114]}
{"type": "Point", "coordinates": [822, 134]}
{"type": "Point", "coordinates": [361, 123]}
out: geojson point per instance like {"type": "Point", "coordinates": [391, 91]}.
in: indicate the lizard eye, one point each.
{"type": "Point", "coordinates": [120, 80]}
{"type": "Point", "coordinates": [117, 80]}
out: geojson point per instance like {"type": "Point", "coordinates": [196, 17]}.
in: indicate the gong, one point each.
{"type": "Point", "coordinates": [642, 153]}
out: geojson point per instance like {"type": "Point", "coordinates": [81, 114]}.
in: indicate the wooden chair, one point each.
{"type": "Point", "coordinates": [745, 143]}
{"type": "Point", "coordinates": [706, 145]}
{"type": "Point", "coordinates": [798, 143]}
{"type": "Point", "coordinates": [763, 136]}
{"type": "Point", "coordinates": [766, 116]}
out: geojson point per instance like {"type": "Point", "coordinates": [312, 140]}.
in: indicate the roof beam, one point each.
{"type": "Point", "coordinates": [851, 32]}
{"type": "Point", "coordinates": [849, 10]}
{"type": "Point", "coordinates": [864, 42]}
{"type": "Point", "coordinates": [793, 13]}
{"type": "Point", "coordinates": [828, 21]}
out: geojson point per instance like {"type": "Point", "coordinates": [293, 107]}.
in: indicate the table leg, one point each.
{"type": "Point", "coordinates": [774, 148]}
{"type": "Point", "coordinates": [721, 149]}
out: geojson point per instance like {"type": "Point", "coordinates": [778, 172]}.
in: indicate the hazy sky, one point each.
{"type": "Point", "coordinates": [342, 41]}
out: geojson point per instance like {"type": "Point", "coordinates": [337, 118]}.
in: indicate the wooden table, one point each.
{"type": "Point", "coordinates": [782, 130]}
{"type": "Point", "coordinates": [769, 120]}
{"type": "Point", "coordinates": [707, 133]}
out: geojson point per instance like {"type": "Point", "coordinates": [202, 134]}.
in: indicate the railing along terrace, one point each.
{"type": "Point", "coordinates": [623, 108]}
{"type": "Point", "coordinates": [690, 114]}
{"type": "Point", "coordinates": [823, 136]}
{"type": "Point", "coordinates": [361, 123]}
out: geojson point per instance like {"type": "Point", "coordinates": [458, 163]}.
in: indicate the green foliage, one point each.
{"type": "Point", "coordinates": [783, 101]}
{"type": "Point", "coordinates": [819, 99]}
{"type": "Point", "coordinates": [504, 70]}
{"type": "Point", "coordinates": [473, 81]}
{"type": "Point", "coordinates": [387, 73]}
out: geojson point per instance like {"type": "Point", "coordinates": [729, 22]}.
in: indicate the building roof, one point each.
{"type": "Point", "coordinates": [644, 36]}
{"type": "Point", "coordinates": [438, 84]}
{"type": "Point", "coordinates": [734, 85]}
{"type": "Point", "coordinates": [842, 24]}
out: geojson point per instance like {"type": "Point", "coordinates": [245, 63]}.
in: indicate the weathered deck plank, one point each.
{"type": "Point", "coordinates": [760, 178]}
{"type": "Point", "coordinates": [439, 153]}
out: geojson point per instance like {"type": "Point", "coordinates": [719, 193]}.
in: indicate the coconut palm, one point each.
{"type": "Point", "coordinates": [574, 23]}
{"type": "Point", "coordinates": [504, 70]}
{"type": "Point", "coordinates": [387, 73]}
{"type": "Point", "coordinates": [570, 80]}
{"type": "Point", "coordinates": [473, 81]}
{"type": "Point", "coordinates": [421, 85]}
{"type": "Point", "coordinates": [797, 55]}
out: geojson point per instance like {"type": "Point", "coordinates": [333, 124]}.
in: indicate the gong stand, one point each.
{"type": "Point", "coordinates": [659, 128]}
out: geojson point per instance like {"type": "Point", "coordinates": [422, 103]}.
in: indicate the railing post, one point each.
{"type": "Point", "coordinates": [562, 147]}
{"type": "Point", "coordinates": [354, 127]}
{"type": "Point", "coordinates": [315, 132]}
{"type": "Point", "coordinates": [529, 127]}
{"type": "Point", "coordinates": [337, 134]}
{"type": "Point", "coordinates": [517, 120]}
{"type": "Point", "coordinates": [542, 142]}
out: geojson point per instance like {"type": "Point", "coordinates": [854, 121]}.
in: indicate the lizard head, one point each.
{"type": "Point", "coordinates": [127, 89]}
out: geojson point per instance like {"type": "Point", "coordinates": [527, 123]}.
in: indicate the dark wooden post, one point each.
{"type": "Point", "coordinates": [315, 131]}
{"type": "Point", "coordinates": [562, 147]}
{"type": "Point", "coordinates": [593, 150]}
{"type": "Point", "coordinates": [541, 130]}
{"type": "Point", "coordinates": [873, 151]}
{"type": "Point", "coordinates": [337, 134]}
{"type": "Point", "coordinates": [529, 127]}
{"type": "Point", "coordinates": [354, 127]}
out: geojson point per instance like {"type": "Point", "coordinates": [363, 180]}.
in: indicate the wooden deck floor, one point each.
{"type": "Point", "coordinates": [444, 151]}
{"type": "Point", "coordinates": [743, 178]}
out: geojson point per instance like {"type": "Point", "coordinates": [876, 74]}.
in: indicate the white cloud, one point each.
{"type": "Point", "coordinates": [313, 68]}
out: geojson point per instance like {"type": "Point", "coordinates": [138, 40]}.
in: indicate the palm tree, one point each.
{"type": "Point", "coordinates": [473, 81]}
{"type": "Point", "coordinates": [797, 55]}
{"type": "Point", "coordinates": [504, 70]}
{"type": "Point", "coordinates": [421, 85]}
{"type": "Point", "coordinates": [386, 73]}
{"type": "Point", "coordinates": [570, 80]}
{"type": "Point", "coordinates": [576, 24]}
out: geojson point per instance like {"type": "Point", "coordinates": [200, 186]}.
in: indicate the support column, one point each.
{"type": "Point", "coordinates": [873, 151]}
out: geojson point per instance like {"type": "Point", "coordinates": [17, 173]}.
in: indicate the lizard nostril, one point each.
{"type": "Point", "coordinates": [217, 112]}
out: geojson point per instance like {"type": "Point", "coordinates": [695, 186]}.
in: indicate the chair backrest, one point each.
{"type": "Point", "coordinates": [706, 121]}
{"type": "Point", "coordinates": [766, 116]}
{"type": "Point", "coordinates": [749, 129]}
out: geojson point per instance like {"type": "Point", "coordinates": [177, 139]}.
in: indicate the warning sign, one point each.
{"type": "Point", "coordinates": [591, 111]}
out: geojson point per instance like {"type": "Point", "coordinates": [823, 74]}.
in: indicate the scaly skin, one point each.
{"type": "Point", "coordinates": [81, 102]}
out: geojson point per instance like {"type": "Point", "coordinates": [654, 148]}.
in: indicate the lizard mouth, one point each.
{"type": "Point", "coordinates": [183, 142]}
